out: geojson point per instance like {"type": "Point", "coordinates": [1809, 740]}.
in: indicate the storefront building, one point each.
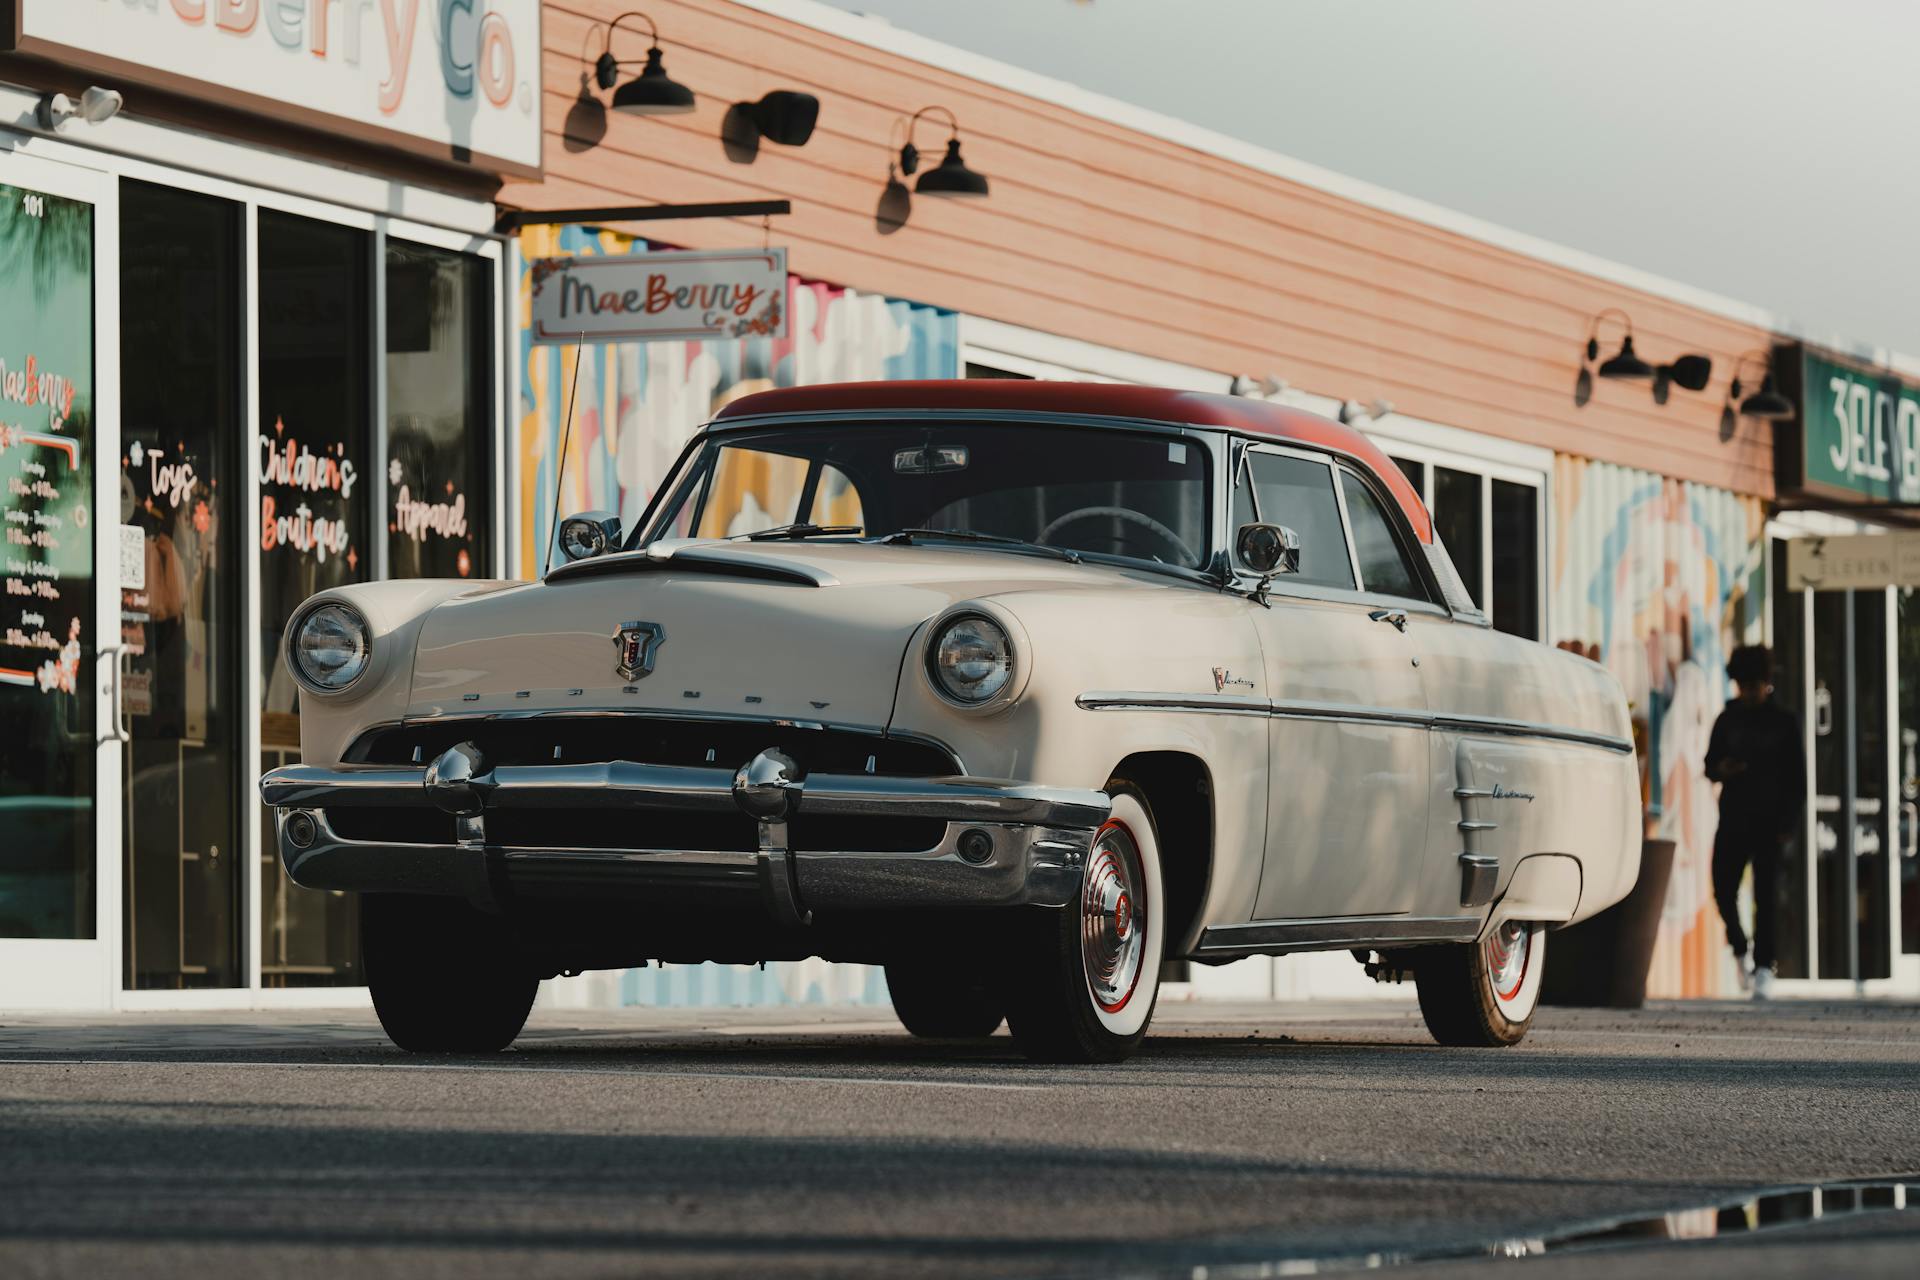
{"type": "Point", "coordinates": [1636, 520]}
{"type": "Point", "coordinates": [357, 348]}
{"type": "Point", "coordinates": [250, 350]}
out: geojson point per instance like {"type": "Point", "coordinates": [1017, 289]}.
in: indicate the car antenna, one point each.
{"type": "Point", "coordinates": [560, 468]}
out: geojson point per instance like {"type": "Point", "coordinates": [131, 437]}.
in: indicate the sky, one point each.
{"type": "Point", "coordinates": [1765, 150]}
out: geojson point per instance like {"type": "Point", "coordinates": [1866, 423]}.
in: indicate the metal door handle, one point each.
{"type": "Point", "coordinates": [117, 655]}
{"type": "Point", "coordinates": [1909, 829]}
{"type": "Point", "coordinates": [1394, 616]}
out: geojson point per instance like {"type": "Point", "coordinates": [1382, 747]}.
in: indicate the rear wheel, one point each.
{"type": "Point", "coordinates": [1484, 994]}
{"type": "Point", "coordinates": [1081, 982]}
{"type": "Point", "coordinates": [941, 1004]}
{"type": "Point", "coordinates": [444, 976]}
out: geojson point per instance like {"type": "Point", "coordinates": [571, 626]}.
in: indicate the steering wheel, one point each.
{"type": "Point", "coordinates": [1127, 514]}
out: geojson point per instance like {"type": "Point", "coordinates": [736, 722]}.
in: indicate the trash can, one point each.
{"type": "Point", "coordinates": [1602, 962]}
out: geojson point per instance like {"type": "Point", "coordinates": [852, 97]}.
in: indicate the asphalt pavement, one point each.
{"type": "Point", "coordinates": [1242, 1141]}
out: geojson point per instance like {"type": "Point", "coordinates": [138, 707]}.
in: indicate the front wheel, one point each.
{"type": "Point", "coordinates": [444, 976]}
{"type": "Point", "coordinates": [1080, 982]}
{"type": "Point", "coordinates": [1483, 995]}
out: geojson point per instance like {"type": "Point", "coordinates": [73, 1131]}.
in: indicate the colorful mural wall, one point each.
{"type": "Point", "coordinates": [1659, 580]}
{"type": "Point", "coordinates": [638, 402]}
{"type": "Point", "coordinates": [635, 405]}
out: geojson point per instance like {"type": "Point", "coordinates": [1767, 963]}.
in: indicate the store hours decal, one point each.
{"type": "Point", "coordinates": [44, 505]}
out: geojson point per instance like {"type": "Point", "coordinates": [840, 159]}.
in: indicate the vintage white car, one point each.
{"type": "Point", "coordinates": [1019, 689]}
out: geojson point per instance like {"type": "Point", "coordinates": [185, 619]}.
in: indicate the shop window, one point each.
{"type": "Point", "coordinates": [439, 412]}
{"type": "Point", "coordinates": [316, 401]}
{"type": "Point", "coordinates": [180, 437]}
{"type": "Point", "coordinates": [1298, 493]}
{"type": "Point", "coordinates": [50, 631]}
{"type": "Point", "coordinates": [1415, 472]}
{"type": "Point", "coordinates": [1516, 558]}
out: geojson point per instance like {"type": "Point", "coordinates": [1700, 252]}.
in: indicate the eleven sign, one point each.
{"type": "Point", "coordinates": [669, 296]}
{"type": "Point", "coordinates": [1855, 562]}
{"type": "Point", "coordinates": [455, 79]}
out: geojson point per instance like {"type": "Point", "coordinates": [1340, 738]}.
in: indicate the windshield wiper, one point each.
{"type": "Point", "coordinates": [795, 532]}
{"type": "Point", "coordinates": [905, 537]}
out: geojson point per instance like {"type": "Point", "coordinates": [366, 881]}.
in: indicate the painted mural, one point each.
{"type": "Point", "coordinates": [635, 405]}
{"type": "Point", "coordinates": [1659, 580]}
{"type": "Point", "coordinates": [638, 402]}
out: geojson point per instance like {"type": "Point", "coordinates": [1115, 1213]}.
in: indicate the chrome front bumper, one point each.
{"type": "Point", "coordinates": [1033, 851]}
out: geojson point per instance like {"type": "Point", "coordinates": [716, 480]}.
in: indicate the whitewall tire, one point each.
{"type": "Point", "coordinates": [1484, 994]}
{"type": "Point", "coordinates": [1081, 982]}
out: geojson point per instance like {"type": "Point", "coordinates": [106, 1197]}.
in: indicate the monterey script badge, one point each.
{"type": "Point", "coordinates": [636, 643]}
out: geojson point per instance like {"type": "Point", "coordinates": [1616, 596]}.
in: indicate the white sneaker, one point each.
{"type": "Point", "coordinates": [1763, 984]}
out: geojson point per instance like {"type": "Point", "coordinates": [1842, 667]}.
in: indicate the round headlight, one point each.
{"type": "Point", "coordinates": [331, 648]}
{"type": "Point", "coordinates": [971, 660]}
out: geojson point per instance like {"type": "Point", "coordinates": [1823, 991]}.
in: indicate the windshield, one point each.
{"type": "Point", "coordinates": [1132, 495]}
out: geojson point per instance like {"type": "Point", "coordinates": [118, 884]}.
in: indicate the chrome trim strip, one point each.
{"type": "Point", "coordinates": [1467, 825]}
{"type": "Point", "coordinates": [1352, 713]}
{"type": "Point", "coordinates": [1457, 723]}
{"type": "Point", "coordinates": [1217, 703]}
{"type": "Point", "coordinates": [1473, 793]}
{"type": "Point", "coordinates": [1277, 937]}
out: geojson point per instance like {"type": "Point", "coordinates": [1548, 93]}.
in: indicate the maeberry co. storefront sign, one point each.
{"type": "Point", "coordinates": [455, 79]}
{"type": "Point", "coordinates": [672, 295]}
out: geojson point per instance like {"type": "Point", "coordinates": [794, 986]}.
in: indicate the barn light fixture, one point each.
{"type": "Point", "coordinates": [1766, 403]}
{"type": "Point", "coordinates": [1270, 387]}
{"type": "Point", "coordinates": [652, 92]}
{"type": "Point", "coordinates": [1626, 364]}
{"type": "Point", "coordinates": [950, 177]}
{"type": "Point", "coordinates": [1352, 411]}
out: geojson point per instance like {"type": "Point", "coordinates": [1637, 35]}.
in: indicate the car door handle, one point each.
{"type": "Point", "coordinates": [1394, 616]}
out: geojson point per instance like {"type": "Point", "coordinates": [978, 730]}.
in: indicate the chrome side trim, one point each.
{"type": "Point", "coordinates": [1469, 825]}
{"type": "Point", "coordinates": [1352, 713]}
{"type": "Point", "coordinates": [1529, 729]}
{"type": "Point", "coordinates": [1218, 703]}
{"type": "Point", "coordinates": [1331, 933]}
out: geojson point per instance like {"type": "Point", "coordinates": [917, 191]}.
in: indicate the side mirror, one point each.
{"type": "Point", "coordinates": [589, 534]}
{"type": "Point", "coordinates": [1268, 548]}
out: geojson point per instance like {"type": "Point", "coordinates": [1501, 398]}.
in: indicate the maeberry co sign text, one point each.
{"type": "Point", "coordinates": [672, 295]}
{"type": "Point", "coordinates": [455, 79]}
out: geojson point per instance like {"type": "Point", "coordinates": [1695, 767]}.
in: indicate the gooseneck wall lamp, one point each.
{"type": "Point", "coordinates": [1767, 402]}
{"type": "Point", "coordinates": [1626, 364]}
{"type": "Point", "coordinates": [950, 177]}
{"type": "Point", "coordinates": [652, 92]}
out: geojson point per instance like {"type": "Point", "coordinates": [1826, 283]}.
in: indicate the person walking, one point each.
{"type": "Point", "coordinates": [1755, 755]}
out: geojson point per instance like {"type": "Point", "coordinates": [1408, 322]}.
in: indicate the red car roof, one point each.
{"type": "Point", "coordinates": [1120, 400]}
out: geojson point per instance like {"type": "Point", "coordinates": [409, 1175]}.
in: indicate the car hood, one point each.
{"type": "Point", "coordinates": [809, 631]}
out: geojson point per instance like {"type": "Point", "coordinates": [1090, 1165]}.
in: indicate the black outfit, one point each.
{"type": "Point", "coordinates": [1755, 756]}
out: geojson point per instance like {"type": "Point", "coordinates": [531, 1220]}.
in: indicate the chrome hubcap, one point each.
{"type": "Point", "coordinates": [1113, 933]}
{"type": "Point", "coordinates": [1507, 950]}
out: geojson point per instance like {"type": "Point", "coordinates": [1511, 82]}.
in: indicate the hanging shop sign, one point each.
{"type": "Point", "coordinates": [454, 79]}
{"type": "Point", "coordinates": [1859, 430]}
{"type": "Point", "coordinates": [1855, 562]}
{"type": "Point", "coordinates": [668, 296]}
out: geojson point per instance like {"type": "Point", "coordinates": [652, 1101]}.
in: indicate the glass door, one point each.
{"type": "Point", "coordinates": [60, 568]}
{"type": "Point", "coordinates": [1849, 873]}
{"type": "Point", "coordinates": [181, 497]}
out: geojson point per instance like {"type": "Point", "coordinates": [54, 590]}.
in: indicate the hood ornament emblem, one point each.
{"type": "Point", "coordinates": [636, 643]}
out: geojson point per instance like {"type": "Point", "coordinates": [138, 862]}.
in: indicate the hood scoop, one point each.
{"type": "Point", "coordinates": [720, 558]}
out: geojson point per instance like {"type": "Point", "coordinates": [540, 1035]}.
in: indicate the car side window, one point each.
{"type": "Point", "coordinates": [1385, 567]}
{"type": "Point", "coordinates": [1297, 493]}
